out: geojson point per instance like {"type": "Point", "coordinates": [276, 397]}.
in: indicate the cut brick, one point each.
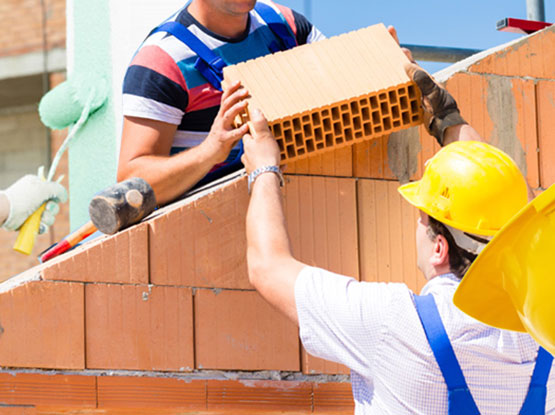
{"type": "Point", "coordinates": [47, 390]}
{"type": "Point", "coordinates": [260, 396]}
{"type": "Point", "coordinates": [121, 258]}
{"type": "Point", "coordinates": [546, 128]}
{"type": "Point", "coordinates": [331, 93]}
{"type": "Point", "coordinates": [503, 111]}
{"type": "Point", "coordinates": [314, 365]}
{"type": "Point", "coordinates": [387, 226]}
{"type": "Point", "coordinates": [532, 56]}
{"type": "Point", "coordinates": [150, 392]}
{"type": "Point", "coordinates": [239, 330]}
{"type": "Point", "coordinates": [203, 243]}
{"type": "Point", "coordinates": [139, 327]}
{"type": "Point", "coordinates": [41, 325]}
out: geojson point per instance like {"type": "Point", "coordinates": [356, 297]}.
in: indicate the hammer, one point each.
{"type": "Point", "coordinates": [111, 210]}
{"type": "Point", "coordinates": [122, 205]}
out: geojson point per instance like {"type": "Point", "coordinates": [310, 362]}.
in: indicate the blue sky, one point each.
{"type": "Point", "coordinates": [454, 23]}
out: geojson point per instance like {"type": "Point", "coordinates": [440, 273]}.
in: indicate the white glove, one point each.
{"type": "Point", "coordinates": [27, 194]}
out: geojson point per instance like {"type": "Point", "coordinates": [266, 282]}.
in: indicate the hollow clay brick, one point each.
{"type": "Point", "coordinates": [120, 258]}
{"type": "Point", "coordinates": [41, 326]}
{"type": "Point", "coordinates": [239, 330]}
{"type": "Point", "coordinates": [202, 244]}
{"type": "Point", "coordinates": [48, 390]}
{"type": "Point", "coordinates": [150, 392]}
{"type": "Point", "coordinates": [503, 111]}
{"type": "Point", "coordinates": [332, 93]}
{"type": "Point", "coordinates": [387, 226]}
{"type": "Point", "coordinates": [336, 163]}
{"type": "Point", "coordinates": [322, 222]}
{"type": "Point", "coordinates": [140, 327]}
{"type": "Point", "coordinates": [261, 396]}
{"type": "Point", "coordinates": [546, 127]}
{"type": "Point", "coordinates": [333, 397]}
{"type": "Point", "coordinates": [18, 410]}
{"type": "Point", "coordinates": [321, 214]}
{"type": "Point", "coordinates": [533, 56]}
{"type": "Point", "coordinates": [314, 365]}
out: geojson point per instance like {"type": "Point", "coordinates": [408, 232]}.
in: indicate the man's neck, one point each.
{"type": "Point", "coordinates": [219, 21]}
{"type": "Point", "coordinates": [437, 271]}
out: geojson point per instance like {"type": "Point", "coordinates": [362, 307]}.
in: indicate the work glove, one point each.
{"type": "Point", "coordinates": [27, 194]}
{"type": "Point", "coordinates": [440, 108]}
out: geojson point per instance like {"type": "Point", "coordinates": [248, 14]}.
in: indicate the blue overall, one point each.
{"type": "Point", "coordinates": [460, 400]}
{"type": "Point", "coordinates": [211, 66]}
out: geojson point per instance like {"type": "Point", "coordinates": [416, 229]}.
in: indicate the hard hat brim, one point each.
{"type": "Point", "coordinates": [500, 287]}
{"type": "Point", "coordinates": [411, 194]}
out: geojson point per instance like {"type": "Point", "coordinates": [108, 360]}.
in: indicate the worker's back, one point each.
{"type": "Point", "coordinates": [395, 371]}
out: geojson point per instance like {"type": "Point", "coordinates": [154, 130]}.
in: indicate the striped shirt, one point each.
{"type": "Point", "coordinates": [162, 83]}
{"type": "Point", "coordinates": [374, 329]}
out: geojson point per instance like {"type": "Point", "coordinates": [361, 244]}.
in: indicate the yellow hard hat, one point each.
{"type": "Point", "coordinates": [470, 186]}
{"type": "Point", "coordinates": [511, 284]}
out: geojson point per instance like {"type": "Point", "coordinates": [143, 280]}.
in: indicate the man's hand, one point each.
{"type": "Point", "coordinates": [223, 135]}
{"type": "Point", "coordinates": [27, 194]}
{"type": "Point", "coordinates": [406, 51]}
{"type": "Point", "coordinates": [260, 146]}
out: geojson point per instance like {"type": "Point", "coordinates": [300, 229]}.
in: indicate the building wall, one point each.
{"type": "Point", "coordinates": [24, 141]}
{"type": "Point", "coordinates": [24, 22]}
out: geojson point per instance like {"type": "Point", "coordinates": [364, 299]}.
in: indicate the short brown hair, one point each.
{"type": "Point", "coordinates": [459, 259]}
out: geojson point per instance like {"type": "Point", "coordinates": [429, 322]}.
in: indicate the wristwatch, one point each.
{"type": "Point", "coordinates": [266, 169]}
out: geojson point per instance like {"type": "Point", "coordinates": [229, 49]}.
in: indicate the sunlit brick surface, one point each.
{"type": "Point", "coordinates": [331, 93]}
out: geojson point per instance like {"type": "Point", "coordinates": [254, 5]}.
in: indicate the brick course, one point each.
{"type": "Point", "coordinates": [22, 26]}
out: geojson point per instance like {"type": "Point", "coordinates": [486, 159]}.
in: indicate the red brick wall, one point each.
{"type": "Point", "coordinates": [22, 26]}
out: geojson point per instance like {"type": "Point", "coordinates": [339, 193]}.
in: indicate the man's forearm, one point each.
{"type": "Point", "coordinates": [170, 176]}
{"type": "Point", "coordinates": [272, 268]}
{"type": "Point", "coordinates": [266, 232]}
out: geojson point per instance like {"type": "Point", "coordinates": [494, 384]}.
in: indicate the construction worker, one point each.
{"type": "Point", "coordinates": [175, 131]}
{"type": "Point", "coordinates": [25, 196]}
{"type": "Point", "coordinates": [408, 353]}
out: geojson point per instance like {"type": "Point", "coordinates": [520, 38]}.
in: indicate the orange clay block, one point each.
{"type": "Point", "coordinates": [332, 93]}
{"type": "Point", "coordinates": [333, 398]}
{"type": "Point", "coordinates": [532, 56]}
{"type": "Point", "coordinates": [546, 126]}
{"type": "Point", "coordinates": [259, 396]}
{"type": "Point", "coordinates": [25, 389]}
{"type": "Point", "coordinates": [41, 326]}
{"type": "Point", "coordinates": [386, 233]}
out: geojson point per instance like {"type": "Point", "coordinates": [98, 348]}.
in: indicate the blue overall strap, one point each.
{"type": "Point", "coordinates": [209, 64]}
{"type": "Point", "coordinates": [459, 396]}
{"type": "Point", "coordinates": [534, 403]}
{"type": "Point", "coordinates": [278, 26]}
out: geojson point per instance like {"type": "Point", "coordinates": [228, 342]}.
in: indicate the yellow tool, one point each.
{"type": "Point", "coordinates": [95, 99]}
{"type": "Point", "coordinates": [470, 186]}
{"type": "Point", "coordinates": [511, 283]}
{"type": "Point", "coordinates": [28, 231]}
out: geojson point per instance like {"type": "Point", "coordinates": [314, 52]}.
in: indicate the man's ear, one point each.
{"type": "Point", "coordinates": [440, 254]}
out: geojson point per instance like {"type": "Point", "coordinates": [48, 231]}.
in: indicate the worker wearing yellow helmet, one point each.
{"type": "Point", "coordinates": [408, 353]}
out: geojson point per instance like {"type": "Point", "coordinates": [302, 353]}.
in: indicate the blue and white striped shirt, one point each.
{"type": "Point", "coordinates": [373, 328]}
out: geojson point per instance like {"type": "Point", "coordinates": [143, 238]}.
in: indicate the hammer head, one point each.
{"type": "Point", "coordinates": [122, 205]}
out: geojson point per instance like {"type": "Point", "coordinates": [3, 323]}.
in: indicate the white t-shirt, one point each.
{"type": "Point", "coordinates": [374, 329]}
